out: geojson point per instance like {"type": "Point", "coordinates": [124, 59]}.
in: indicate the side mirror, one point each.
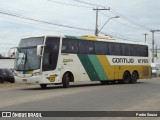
{"type": "Point", "coordinates": [12, 52]}
{"type": "Point", "coordinates": [39, 50]}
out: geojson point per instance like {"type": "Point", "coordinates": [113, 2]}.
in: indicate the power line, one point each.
{"type": "Point", "coordinates": [129, 20]}
{"type": "Point", "coordinates": [41, 21]}
{"type": "Point", "coordinates": [119, 36]}
{"type": "Point", "coordinates": [59, 18]}
{"type": "Point", "coordinates": [113, 11]}
{"type": "Point", "coordinates": [120, 22]}
{"type": "Point", "coordinates": [92, 4]}
{"type": "Point", "coordinates": [13, 15]}
{"type": "Point", "coordinates": [90, 7]}
{"type": "Point", "coordinates": [69, 4]}
{"type": "Point", "coordinates": [97, 9]}
{"type": "Point", "coordinates": [116, 13]}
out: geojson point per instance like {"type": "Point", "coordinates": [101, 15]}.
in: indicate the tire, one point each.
{"type": "Point", "coordinates": [134, 77]}
{"type": "Point", "coordinates": [126, 77]}
{"type": "Point", "coordinates": [104, 82]}
{"type": "Point", "coordinates": [1, 80]}
{"type": "Point", "coordinates": [44, 86]}
{"type": "Point", "coordinates": [65, 80]}
{"type": "Point", "coordinates": [12, 81]}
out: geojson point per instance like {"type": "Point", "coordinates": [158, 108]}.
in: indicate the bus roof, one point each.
{"type": "Point", "coordinates": [95, 38]}
{"type": "Point", "coordinates": [105, 39]}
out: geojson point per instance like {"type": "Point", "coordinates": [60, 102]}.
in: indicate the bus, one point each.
{"type": "Point", "coordinates": [63, 59]}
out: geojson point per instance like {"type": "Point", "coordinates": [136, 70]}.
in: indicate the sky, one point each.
{"type": "Point", "coordinates": [26, 18]}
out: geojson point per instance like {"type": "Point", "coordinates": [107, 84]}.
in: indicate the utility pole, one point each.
{"type": "Point", "coordinates": [97, 9]}
{"type": "Point", "coordinates": [153, 31]}
{"type": "Point", "coordinates": [145, 37]}
{"type": "Point", "coordinates": [156, 51]}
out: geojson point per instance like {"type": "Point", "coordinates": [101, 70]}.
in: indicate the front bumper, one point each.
{"type": "Point", "coordinates": [33, 79]}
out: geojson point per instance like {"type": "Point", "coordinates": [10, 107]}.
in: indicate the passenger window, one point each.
{"type": "Point", "coordinates": [69, 46]}
{"type": "Point", "coordinates": [115, 49]}
{"type": "Point", "coordinates": [86, 47]}
{"type": "Point", "coordinates": [126, 50]}
{"type": "Point", "coordinates": [101, 48]}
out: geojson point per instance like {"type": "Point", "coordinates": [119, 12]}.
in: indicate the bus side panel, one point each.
{"type": "Point", "coordinates": [146, 72]}
{"type": "Point", "coordinates": [89, 67]}
{"type": "Point", "coordinates": [143, 71]}
{"type": "Point", "coordinates": [94, 67]}
{"type": "Point", "coordinates": [69, 62]}
{"type": "Point", "coordinates": [98, 67]}
{"type": "Point", "coordinates": [107, 67]}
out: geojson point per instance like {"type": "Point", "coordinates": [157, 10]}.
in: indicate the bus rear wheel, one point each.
{"type": "Point", "coordinates": [65, 80]}
{"type": "Point", "coordinates": [126, 77]}
{"type": "Point", "coordinates": [43, 86]}
{"type": "Point", "coordinates": [134, 77]}
{"type": "Point", "coordinates": [104, 82]}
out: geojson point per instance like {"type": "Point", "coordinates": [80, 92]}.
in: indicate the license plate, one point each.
{"type": "Point", "coordinates": [24, 80]}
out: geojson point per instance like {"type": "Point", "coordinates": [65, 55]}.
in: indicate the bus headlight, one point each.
{"type": "Point", "coordinates": [36, 73]}
{"type": "Point", "coordinates": [15, 74]}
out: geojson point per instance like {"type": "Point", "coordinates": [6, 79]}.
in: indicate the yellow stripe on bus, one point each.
{"type": "Point", "coordinates": [106, 66]}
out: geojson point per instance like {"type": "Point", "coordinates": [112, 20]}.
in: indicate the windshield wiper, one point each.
{"type": "Point", "coordinates": [26, 59]}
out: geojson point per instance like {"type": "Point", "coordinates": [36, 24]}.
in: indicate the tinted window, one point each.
{"type": "Point", "coordinates": [69, 46]}
{"type": "Point", "coordinates": [51, 53]}
{"type": "Point", "coordinates": [126, 50]}
{"type": "Point", "coordinates": [114, 49]}
{"type": "Point", "coordinates": [101, 48]}
{"type": "Point", "coordinates": [31, 41]}
{"type": "Point", "coordinates": [144, 51]}
{"type": "Point", "coordinates": [135, 50]}
{"type": "Point", "coordinates": [86, 47]}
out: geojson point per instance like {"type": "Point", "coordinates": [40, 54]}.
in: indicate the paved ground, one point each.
{"type": "Point", "coordinates": [11, 85]}
{"type": "Point", "coordinates": [143, 96]}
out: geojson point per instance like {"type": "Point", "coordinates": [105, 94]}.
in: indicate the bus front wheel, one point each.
{"type": "Point", "coordinates": [65, 80]}
{"type": "Point", "coordinates": [126, 77]}
{"type": "Point", "coordinates": [43, 86]}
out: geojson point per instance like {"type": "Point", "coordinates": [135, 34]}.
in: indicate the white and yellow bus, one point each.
{"type": "Point", "coordinates": [63, 59]}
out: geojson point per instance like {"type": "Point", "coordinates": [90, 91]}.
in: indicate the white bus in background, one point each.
{"type": "Point", "coordinates": [63, 59]}
{"type": "Point", "coordinates": [155, 69]}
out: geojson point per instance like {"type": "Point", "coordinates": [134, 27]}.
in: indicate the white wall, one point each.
{"type": "Point", "coordinates": [7, 63]}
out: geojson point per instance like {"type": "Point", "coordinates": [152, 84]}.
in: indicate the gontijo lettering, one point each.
{"type": "Point", "coordinates": [122, 60]}
{"type": "Point", "coordinates": [129, 60]}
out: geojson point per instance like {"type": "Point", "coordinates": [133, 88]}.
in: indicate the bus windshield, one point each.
{"type": "Point", "coordinates": [27, 59]}
{"type": "Point", "coordinates": [26, 55]}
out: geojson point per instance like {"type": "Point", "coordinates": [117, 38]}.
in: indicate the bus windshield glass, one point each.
{"type": "Point", "coordinates": [34, 41]}
{"type": "Point", "coordinates": [26, 55]}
